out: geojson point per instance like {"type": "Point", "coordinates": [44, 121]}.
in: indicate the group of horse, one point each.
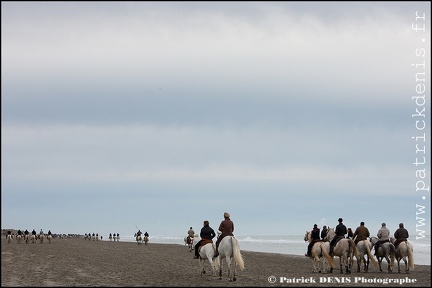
{"type": "Point", "coordinates": [229, 250]}
{"type": "Point", "coordinates": [140, 239]}
{"type": "Point", "coordinates": [28, 238]}
{"type": "Point", "coordinates": [346, 250]}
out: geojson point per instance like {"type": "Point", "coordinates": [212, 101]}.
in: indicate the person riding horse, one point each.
{"type": "Point", "coordinates": [361, 233]}
{"type": "Point", "coordinates": [383, 236]}
{"type": "Point", "coordinates": [324, 232]}
{"type": "Point", "coordinates": [227, 229]}
{"type": "Point", "coordinates": [315, 237]}
{"type": "Point", "coordinates": [207, 234]}
{"type": "Point", "coordinates": [340, 231]}
{"type": "Point", "coordinates": [401, 234]}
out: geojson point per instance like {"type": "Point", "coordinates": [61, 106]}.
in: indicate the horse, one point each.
{"type": "Point", "coordinates": [26, 237]}
{"type": "Point", "coordinates": [41, 238]}
{"type": "Point", "coordinates": [404, 251]}
{"type": "Point", "coordinates": [230, 250]}
{"type": "Point", "coordinates": [146, 239]}
{"type": "Point", "coordinates": [345, 248]}
{"type": "Point", "coordinates": [206, 251]}
{"type": "Point", "coordinates": [33, 238]}
{"type": "Point", "coordinates": [9, 238]}
{"type": "Point", "coordinates": [18, 237]}
{"type": "Point", "coordinates": [49, 237]}
{"type": "Point", "coordinates": [364, 248]}
{"type": "Point", "coordinates": [138, 238]}
{"type": "Point", "coordinates": [318, 250]}
{"type": "Point", "coordinates": [188, 241]}
{"type": "Point", "coordinates": [385, 250]}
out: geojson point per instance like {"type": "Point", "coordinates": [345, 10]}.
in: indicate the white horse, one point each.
{"type": "Point", "coordinates": [230, 250]}
{"type": "Point", "coordinates": [364, 248]}
{"type": "Point", "coordinates": [49, 237]}
{"type": "Point", "coordinates": [404, 252]}
{"type": "Point", "coordinates": [9, 238]}
{"type": "Point", "coordinates": [146, 239]}
{"type": "Point", "coordinates": [385, 250]}
{"type": "Point", "coordinates": [206, 251]}
{"type": "Point", "coordinates": [319, 250]}
{"type": "Point", "coordinates": [41, 238]}
{"type": "Point", "coordinates": [18, 237]}
{"type": "Point", "coordinates": [138, 238]}
{"type": "Point", "coordinates": [27, 238]}
{"type": "Point", "coordinates": [345, 249]}
{"type": "Point", "coordinates": [33, 238]}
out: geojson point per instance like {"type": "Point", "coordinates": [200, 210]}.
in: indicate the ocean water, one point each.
{"type": "Point", "coordinates": [294, 245]}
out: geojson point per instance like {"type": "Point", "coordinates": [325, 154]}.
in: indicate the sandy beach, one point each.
{"type": "Point", "coordinates": [79, 262]}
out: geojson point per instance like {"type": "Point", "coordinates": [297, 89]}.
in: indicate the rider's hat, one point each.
{"type": "Point", "coordinates": [383, 224]}
{"type": "Point", "coordinates": [226, 215]}
{"type": "Point", "coordinates": [340, 220]}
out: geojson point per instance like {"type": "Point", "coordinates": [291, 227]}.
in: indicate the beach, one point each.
{"type": "Point", "coordinates": [79, 262]}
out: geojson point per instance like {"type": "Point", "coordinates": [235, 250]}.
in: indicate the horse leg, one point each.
{"type": "Point", "coordinates": [220, 267]}
{"type": "Point", "coordinates": [366, 269]}
{"type": "Point", "coordinates": [388, 261]}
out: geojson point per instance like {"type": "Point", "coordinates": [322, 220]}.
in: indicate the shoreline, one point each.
{"type": "Point", "coordinates": [79, 262]}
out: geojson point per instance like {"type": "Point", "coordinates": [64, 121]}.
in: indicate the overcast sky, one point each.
{"type": "Point", "coordinates": [164, 114]}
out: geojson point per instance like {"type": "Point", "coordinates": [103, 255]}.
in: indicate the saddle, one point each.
{"type": "Point", "coordinates": [204, 242]}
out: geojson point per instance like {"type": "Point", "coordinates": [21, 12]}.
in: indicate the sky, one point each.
{"type": "Point", "coordinates": [160, 115]}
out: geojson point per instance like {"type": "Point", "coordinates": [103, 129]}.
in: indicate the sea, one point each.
{"type": "Point", "coordinates": [293, 245]}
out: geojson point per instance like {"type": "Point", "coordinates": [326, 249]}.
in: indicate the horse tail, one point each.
{"type": "Point", "coordinates": [238, 258]}
{"type": "Point", "coordinates": [327, 256]}
{"type": "Point", "coordinates": [410, 256]}
{"type": "Point", "coordinates": [369, 254]}
{"type": "Point", "coordinates": [354, 246]}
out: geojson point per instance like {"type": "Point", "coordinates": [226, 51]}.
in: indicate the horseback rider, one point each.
{"type": "Point", "coordinates": [361, 233]}
{"type": "Point", "coordinates": [191, 234]}
{"type": "Point", "coordinates": [207, 233]}
{"type": "Point", "coordinates": [227, 229]}
{"type": "Point", "coordinates": [350, 234]}
{"type": "Point", "coordinates": [383, 236]}
{"type": "Point", "coordinates": [324, 232]}
{"type": "Point", "coordinates": [315, 237]}
{"type": "Point", "coordinates": [146, 234]}
{"type": "Point", "coordinates": [340, 231]}
{"type": "Point", "coordinates": [401, 234]}
{"type": "Point", "coordinates": [139, 233]}
{"type": "Point", "coordinates": [49, 232]}
{"type": "Point", "coordinates": [34, 232]}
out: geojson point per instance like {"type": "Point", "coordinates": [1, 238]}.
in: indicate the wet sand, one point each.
{"type": "Point", "coordinates": [79, 262]}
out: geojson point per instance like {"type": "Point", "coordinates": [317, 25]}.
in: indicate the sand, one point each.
{"type": "Point", "coordinates": [79, 262]}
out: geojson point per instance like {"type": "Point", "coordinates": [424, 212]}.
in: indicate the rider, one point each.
{"type": "Point", "coordinates": [361, 233]}
{"type": "Point", "coordinates": [138, 233]}
{"type": "Point", "coordinates": [340, 231]}
{"type": "Point", "coordinates": [49, 232]}
{"type": "Point", "coordinates": [34, 232]}
{"type": "Point", "coordinates": [191, 232]}
{"type": "Point", "coordinates": [315, 237]}
{"type": "Point", "coordinates": [146, 234]}
{"type": "Point", "coordinates": [191, 235]}
{"type": "Point", "coordinates": [324, 232]}
{"type": "Point", "coordinates": [383, 236]}
{"type": "Point", "coordinates": [350, 234]}
{"type": "Point", "coordinates": [227, 229]}
{"type": "Point", "coordinates": [401, 234]}
{"type": "Point", "coordinates": [207, 233]}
